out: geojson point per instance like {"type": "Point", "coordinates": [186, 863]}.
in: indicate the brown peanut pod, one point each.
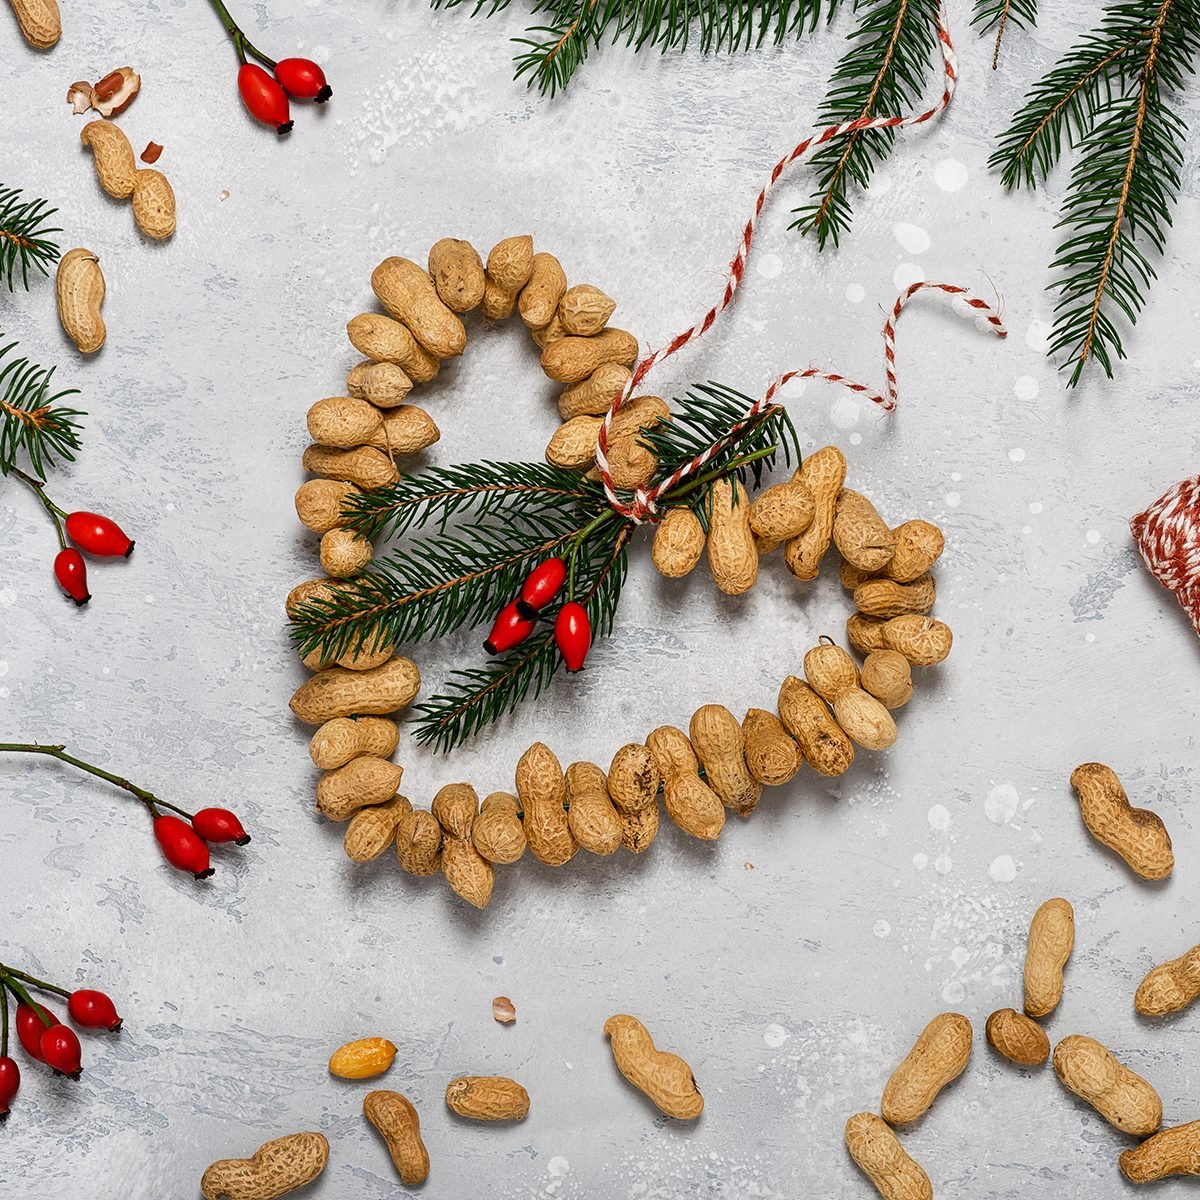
{"type": "Point", "coordinates": [548, 333]}
{"type": "Point", "coordinates": [865, 720]}
{"type": "Point", "coordinates": [319, 503]}
{"type": "Point", "coordinates": [345, 553]}
{"type": "Point", "coordinates": [487, 1098]}
{"type": "Point", "coordinates": [922, 640]}
{"type": "Point", "coordinates": [825, 473]}
{"type": "Point", "coordinates": [363, 466]}
{"type": "Point", "coordinates": [877, 1152]}
{"type": "Point", "coordinates": [1174, 1151]}
{"type": "Point", "coordinates": [310, 589]}
{"type": "Point", "coordinates": [1125, 1100]}
{"type": "Point", "coordinates": [689, 801]}
{"type": "Point", "coordinates": [418, 840]}
{"type": "Point", "coordinates": [497, 833]}
{"type": "Point", "coordinates": [865, 634]}
{"type": "Point", "coordinates": [573, 359]}
{"type": "Point", "coordinates": [939, 1055]}
{"type": "Point", "coordinates": [825, 746]}
{"type": "Point", "coordinates": [362, 781]}
{"type": "Point", "coordinates": [384, 384]}
{"type": "Point", "coordinates": [678, 543]}
{"type": "Point", "coordinates": [782, 512]}
{"type": "Point", "coordinates": [663, 1077]}
{"type": "Point", "coordinates": [396, 1121]}
{"type": "Point", "coordinates": [116, 168]}
{"type": "Point", "coordinates": [1051, 940]}
{"type": "Point", "coordinates": [405, 289]}
{"type": "Point", "coordinates": [153, 204]}
{"type": "Point", "coordinates": [541, 295]}
{"type": "Point", "coordinates": [584, 310]}
{"type": "Point", "coordinates": [885, 599]}
{"type": "Point", "coordinates": [772, 755]}
{"type": "Point", "coordinates": [371, 830]}
{"type": "Point", "coordinates": [340, 740]}
{"type": "Point", "coordinates": [716, 738]}
{"type": "Point", "coordinates": [732, 555]}
{"type": "Point", "coordinates": [457, 273]}
{"type": "Point", "coordinates": [1136, 834]}
{"type": "Point", "coordinates": [79, 293]}
{"type": "Point", "coordinates": [509, 265]}
{"type": "Point", "coordinates": [886, 674]}
{"type": "Point", "coordinates": [1170, 987]}
{"type": "Point", "coordinates": [631, 463]}
{"type": "Point", "coordinates": [382, 339]}
{"type": "Point", "coordinates": [919, 545]}
{"type": "Point", "coordinates": [337, 692]}
{"type": "Point", "coordinates": [1017, 1037]}
{"type": "Point", "coordinates": [594, 823]}
{"type": "Point", "coordinates": [572, 446]}
{"type": "Point", "coordinates": [277, 1167]}
{"type": "Point", "coordinates": [594, 395]}
{"type": "Point", "coordinates": [407, 429]}
{"type": "Point", "coordinates": [633, 788]}
{"type": "Point", "coordinates": [861, 535]}
{"type": "Point", "coordinates": [344, 422]}
{"type": "Point", "coordinates": [850, 576]}
{"type": "Point", "coordinates": [39, 21]}
{"type": "Point", "coordinates": [468, 873]}
{"type": "Point", "coordinates": [542, 789]}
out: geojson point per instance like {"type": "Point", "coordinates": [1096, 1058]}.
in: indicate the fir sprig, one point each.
{"type": "Point", "coordinates": [473, 698]}
{"type": "Point", "coordinates": [884, 71]}
{"type": "Point", "coordinates": [555, 48]}
{"type": "Point", "coordinates": [24, 237]}
{"type": "Point", "coordinates": [33, 422]}
{"type": "Point", "coordinates": [1110, 98]}
{"type": "Point", "coordinates": [999, 14]}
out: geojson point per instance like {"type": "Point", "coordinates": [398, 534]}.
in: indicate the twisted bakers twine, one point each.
{"type": "Point", "coordinates": [1168, 535]}
{"type": "Point", "coordinates": [642, 507]}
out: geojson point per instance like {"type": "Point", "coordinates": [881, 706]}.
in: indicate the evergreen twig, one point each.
{"type": "Point", "coordinates": [33, 422]}
{"type": "Point", "coordinates": [554, 49]}
{"type": "Point", "coordinates": [24, 237]}
{"type": "Point", "coordinates": [885, 70]}
{"type": "Point", "coordinates": [1110, 97]}
{"type": "Point", "coordinates": [999, 14]}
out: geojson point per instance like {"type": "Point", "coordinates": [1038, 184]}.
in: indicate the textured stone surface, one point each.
{"type": "Point", "coordinates": [793, 988]}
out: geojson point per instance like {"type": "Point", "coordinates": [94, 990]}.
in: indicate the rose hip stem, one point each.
{"type": "Point", "coordinates": [8, 980]}
{"type": "Point", "coordinates": [33, 981]}
{"type": "Point", "coordinates": [39, 490]}
{"type": "Point", "coordinates": [241, 43]}
{"type": "Point", "coordinates": [149, 799]}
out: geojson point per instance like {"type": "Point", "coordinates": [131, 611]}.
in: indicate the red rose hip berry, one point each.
{"type": "Point", "coordinates": [219, 825]}
{"type": "Point", "coordinates": [60, 1050]}
{"type": "Point", "coordinates": [98, 535]}
{"type": "Point", "coordinates": [182, 846]}
{"type": "Point", "coordinates": [93, 1010]}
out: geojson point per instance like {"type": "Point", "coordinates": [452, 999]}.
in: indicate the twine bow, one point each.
{"type": "Point", "coordinates": [642, 506]}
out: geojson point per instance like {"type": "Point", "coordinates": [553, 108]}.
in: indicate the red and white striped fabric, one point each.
{"type": "Point", "coordinates": [643, 505]}
{"type": "Point", "coordinates": [1168, 535]}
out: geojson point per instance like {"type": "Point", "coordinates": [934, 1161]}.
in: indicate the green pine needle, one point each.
{"type": "Point", "coordinates": [999, 14]}
{"type": "Point", "coordinates": [24, 237]}
{"type": "Point", "coordinates": [32, 421]}
{"type": "Point", "coordinates": [555, 48]}
{"type": "Point", "coordinates": [1110, 98]}
{"type": "Point", "coordinates": [884, 72]}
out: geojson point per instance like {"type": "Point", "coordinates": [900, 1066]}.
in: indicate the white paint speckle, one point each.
{"type": "Point", "coordinates": [1035, 507]}
{"type": "Point", "coordinates": [3, 668]}
{"type": "Point", "coordinates": [882, 929]}
{"type": "Point", "coordinates": [953, 499]}
{"type": "Point", "coordinates": [775, 1036]}
{"type": "Point", "coordinates": [1001, 804]}
{"type": "Point", "coordinates": [942, 864]}
{"type": "Point", "coordinates": [1092, 537]}
{"type": "Point", "coordinates": [1016, 455]}
{"type": "Point", "coordinates": [953, 992]}
{"type": "Point", "coordinates": [1003, 869]}
{"type": "Point", "coordinates": [950, 175]}
{"type": "Point", "coordinates": [8, 597]}
{"type": "Point", "coordinates": [939, 818]}
{"type": "Point", "coordinates": [844, 411]}
{"type": "Point", "coordinates": [1025, 388]}
{"type": "Point", "coordinates": [906, 274]}
{"type": "Point", "coordinates": [1037, 337]}
{"type": "Point", "coordinates": [770, 266]}
{"type": "Point", "coordinates": [558, 1167]}
{"type": "Point", "coordinates": [913, 238]}
{"type": "Point", "coordinates": [960, 956]}
{"type": "Point", "coordinates": [856, 293]}
{"type": "Point", "coordinates": [856, 439]}
{"type": "Point", "coordinates": [920, 861]}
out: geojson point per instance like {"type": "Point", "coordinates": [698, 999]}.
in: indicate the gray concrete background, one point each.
{"type": "Point", "coordinates": [874, 902]}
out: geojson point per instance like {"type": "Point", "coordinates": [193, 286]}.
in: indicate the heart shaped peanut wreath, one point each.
{"type": "Point", "coordinates": [495, 530]}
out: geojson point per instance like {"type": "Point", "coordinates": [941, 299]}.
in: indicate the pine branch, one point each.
{"type": "Point", "coordinates": [24, 237]}
{"type": "Point", "coordinates": [996, 14]}
{"type": "Point", "coordinates": [435, 496]}
{"type": "Point", "coordinates": [32, 421]}
{"type": "Point", "coordinates": [474, 698]}
{"type": "Point", "coordinates": [1110, 98]}
{"type": "Point", "coordinates": [556, 49]}
{"type": "Point", "coordinates": [884, 72]}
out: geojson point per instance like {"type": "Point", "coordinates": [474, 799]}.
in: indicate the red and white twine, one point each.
{"type": "Point", "coordinates": [1168, 535]}
{"type": "Point", "coordinates": [642, 507]}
